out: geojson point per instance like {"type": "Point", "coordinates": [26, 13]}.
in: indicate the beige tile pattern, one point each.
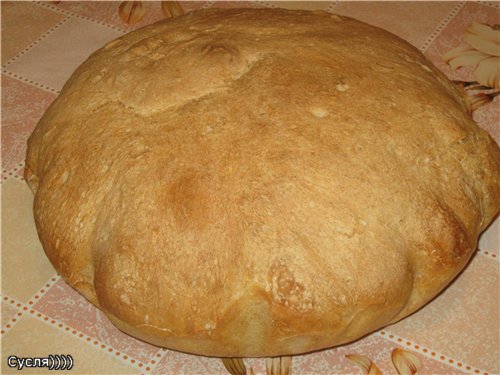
{"type": "Point", "coordinates": [25, 268]}
{"type": "Point", "coordinates": [490, 239]}
{"type": "Point", "coordinates": [33, 338]}
{"type": "Point", "coordinates": [411, 20]}
{"type": "Point", "coordinates": [52, 61]}
{"type": "Point", "coordinates": [8, 312]}
{"type": "Point", "coordinates": [22, 23]}
{"type": "Point", "coordinates": [463, 321]}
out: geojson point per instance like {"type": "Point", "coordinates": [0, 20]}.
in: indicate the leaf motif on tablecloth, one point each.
{"type": "Point", "coordinates": [235, 366]}
{"type": "Point", "coordinates": [131, 12]}
{"type": "Point", "coordinates": [406, 363]}
{"type": "Point", "coordinates": [365, 363]}
{"type": "Point", "coordinates": [278, 365]}
{"type": "Point", "coordinates": [171, 8]}
{"type": "Point", "coordinates": [482, 52]}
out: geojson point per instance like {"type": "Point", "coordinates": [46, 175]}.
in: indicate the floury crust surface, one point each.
{"type": "Point", "coordinates": [259, 182]}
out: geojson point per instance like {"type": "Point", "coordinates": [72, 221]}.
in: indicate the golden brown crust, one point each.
{"type": "Point", "coordinates": [259, 182]}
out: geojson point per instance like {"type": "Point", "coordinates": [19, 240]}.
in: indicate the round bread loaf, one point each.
{"type": "Point", "coordinates": [259, 182]}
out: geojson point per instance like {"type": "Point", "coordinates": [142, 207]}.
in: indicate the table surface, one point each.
{"type": "Point", "coordinates": [43, 42]}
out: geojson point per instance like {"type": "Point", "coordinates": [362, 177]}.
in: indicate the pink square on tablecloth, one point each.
{"type": "Point", "coordinates": [22, 107]}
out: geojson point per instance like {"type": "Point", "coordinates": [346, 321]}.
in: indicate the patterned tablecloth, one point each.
{"type": "Point", "coordinates": [43, 42]}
